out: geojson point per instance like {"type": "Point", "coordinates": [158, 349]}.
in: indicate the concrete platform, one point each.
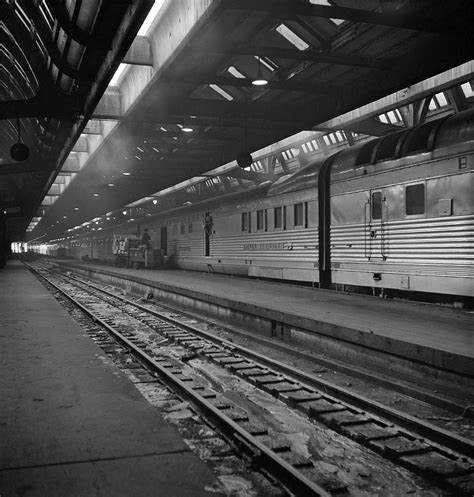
{"type": "Point", "coordinates": [425, 333]}
{"type": "Point", "coordinates": [71, 424]}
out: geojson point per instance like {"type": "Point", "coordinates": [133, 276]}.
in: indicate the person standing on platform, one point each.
{"type": "Point", "coordinates": [146, 239]}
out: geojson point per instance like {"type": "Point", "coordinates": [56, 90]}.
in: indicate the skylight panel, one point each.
{"type": "Point", "coordinates": [145, 27]}
{"type": "Point", "coordinates": [221, 92]}
{"type": "Point", "coordinates": [441, 99]}
{"type": "Point", "coordinates": [326, 2]}
{"type": "Point", "coordinates": [292, 37]}
{"type": "Point", "coordinates": [392, 117]}
{"type": "Point", "coordinates": [467, 89]}
{"type": "Point", "coordinates": [267, 62]}
{"type": "Point", "coordinates": [235, 72]}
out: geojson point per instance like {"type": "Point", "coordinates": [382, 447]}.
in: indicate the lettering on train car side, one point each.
{"type": "Point", "coordinates": [264, 246]}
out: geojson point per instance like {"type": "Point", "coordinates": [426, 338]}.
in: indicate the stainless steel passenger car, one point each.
{"type": "Point", "coordinates": [401, 210]}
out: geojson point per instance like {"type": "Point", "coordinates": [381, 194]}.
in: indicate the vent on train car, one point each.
{"type": "Point", "coordinates": [420, 138]}
{"type": "Point", "coordinates": [365, 153]}
{"type": "Point", "coordinates": [387, 147]}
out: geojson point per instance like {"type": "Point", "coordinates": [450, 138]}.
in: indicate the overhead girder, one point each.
{"type": "Point", "coordinates": [284, 85]}
{"type": "Point", "coordinates": [418, 92]}
{"type": "Point", "coordinates": [222, 109]}
{"type": "Point", "coordinates": [458, 99]}
{"type": "Point", "coordinates": [289, 126]}
{"type": "Point", "coordinates": [415, 16]}
{"type": "Point", "coordinates": [291, 54]}
{"type": "Point", "coordinates": [371, 127]}
{"type": "Point", "coordinates": [149, 134]}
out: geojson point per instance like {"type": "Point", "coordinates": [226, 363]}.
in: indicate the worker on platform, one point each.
{"type": "Point", "coordinates": [146, 239]}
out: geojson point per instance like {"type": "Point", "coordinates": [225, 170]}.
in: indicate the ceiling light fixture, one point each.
{"type": "Point", "coordinates": [96, 194]}
{"type": "Point", "coordinates": [125, 173]}
{"type": "Point", "coordinates": [260, 79]}
{"type": "Point", "coordinates": [110, 184]}
{"type": "Point", "coordinates": [187, 129]}
{"type": "Point", "coordinates": [19, 151]}
{"type": "Point", "coordinates": [155, 202]}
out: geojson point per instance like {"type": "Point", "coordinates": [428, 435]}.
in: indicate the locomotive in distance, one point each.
{"type": "Point", "coordinates": [392, 214]}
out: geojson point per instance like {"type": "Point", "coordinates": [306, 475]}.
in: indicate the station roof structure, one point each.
{"type": "Point", "coordinates": [113, 110]}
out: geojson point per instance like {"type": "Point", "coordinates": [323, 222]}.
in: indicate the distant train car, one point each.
{"type": "Point", "coordinates": [392, 213]}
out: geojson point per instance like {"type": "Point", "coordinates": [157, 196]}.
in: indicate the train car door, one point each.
{"type": "Point", "coordinates": [375, 217]}
{"type": "Point", "coordinates": [164, 240]}
{"type": "Point", "coordinates": [207, 233]}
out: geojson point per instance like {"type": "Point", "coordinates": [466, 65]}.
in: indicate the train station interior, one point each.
{"type": "Point", "coordinates": [298, 172]}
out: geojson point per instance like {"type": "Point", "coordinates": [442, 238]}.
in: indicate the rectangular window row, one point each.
{"type": "Point", "coordinates": [183, 228]}
{"type": "Point", "coordinates": [300, 218]}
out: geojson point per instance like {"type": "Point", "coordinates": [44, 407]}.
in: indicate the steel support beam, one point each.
{"type": "Point", "coordinates": [285, 85]}
{"type": "Point", "coordinates": [288, 53]}
{"type": "Point", "coordinates": [444, 81]}
{"type": "Point", "coordinates": [371, 127]}
{"type": "Point", "coordinates": [408, 17]}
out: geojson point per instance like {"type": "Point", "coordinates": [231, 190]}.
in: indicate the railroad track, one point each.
{"type": "Point", "coordinates": [441, 457]}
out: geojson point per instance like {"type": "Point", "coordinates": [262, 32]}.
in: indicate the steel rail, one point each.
{"type": "Point", "coordinates": [259, 453]}
{"type": "Point", "coordinates": [423, 428]}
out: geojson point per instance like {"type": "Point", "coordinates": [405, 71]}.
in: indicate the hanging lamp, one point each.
{"type": "Point", "coordinates": [19, 151]}
{"type": "Point", "coordinates": [260, 79]}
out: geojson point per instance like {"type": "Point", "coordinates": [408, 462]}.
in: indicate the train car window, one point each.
{"type": "Point", "coordinates": [415, 199]}
{"type": "Point", "coordinates": [376, 205]}
{"type": "Point", "coordinates": [278, 217]}
{"type": "Point", "coordinates": [183, 229]}
{"type": "Point", "coordinates": [245, 221]}
{"type": "Point", "coordinates": [298, 215]}
{"type": "Point", "coordinates": [261, 220]}
{"type": "Point", "coordinates": [190, 227]}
